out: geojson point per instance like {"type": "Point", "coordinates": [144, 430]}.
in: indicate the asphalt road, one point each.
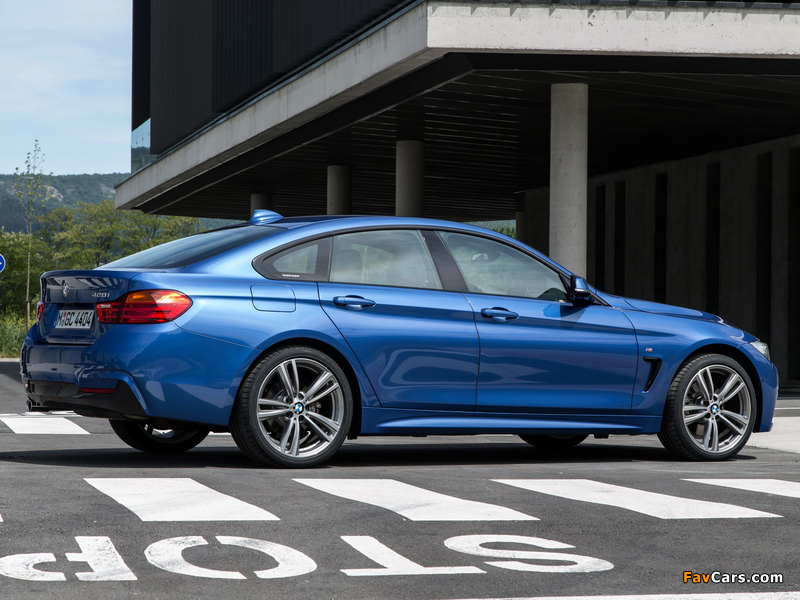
{"type": "Point", "coordinates": [84, 516]}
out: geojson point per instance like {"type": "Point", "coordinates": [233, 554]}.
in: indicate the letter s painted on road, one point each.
{"type": "Point", "coordinates": [474, 544]}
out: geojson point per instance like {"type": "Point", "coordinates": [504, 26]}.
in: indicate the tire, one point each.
{"type": "Point", "coordinates": [293, 410]}
{"type": "Point", "coordinates": [553, 442]}
{"type": "Point", "coordinates": [710, 409]}
{"type": "Point", "coordinates": [144, 437]}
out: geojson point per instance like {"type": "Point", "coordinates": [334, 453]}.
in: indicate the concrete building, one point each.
{"type": "Point", "coordinates": [653, 146]}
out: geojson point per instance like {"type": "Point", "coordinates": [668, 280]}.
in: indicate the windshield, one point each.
{"type": "Point", "coordinates": [187, 251]}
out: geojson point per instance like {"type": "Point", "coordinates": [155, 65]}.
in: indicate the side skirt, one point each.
{"type": "Point", "coordinates": [387, 421]}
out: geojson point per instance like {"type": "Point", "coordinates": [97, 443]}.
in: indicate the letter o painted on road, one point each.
{"type": "Point", "coordinates": [168, 555]}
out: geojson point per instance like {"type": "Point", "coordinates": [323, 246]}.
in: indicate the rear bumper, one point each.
{"type": "Point", "coordinates": [153, 371]}
{"type": "Point", "coordinates": [117, 402]}
{"type": "Point", "coordinates": [70, 377]}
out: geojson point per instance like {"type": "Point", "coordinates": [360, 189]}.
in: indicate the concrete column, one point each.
{"type": "Point", "coordinates": [261, 200]}
{"type": "Point", "coordinates": [410, 178]}
{"type": "Point", "coordinates": [569, 150]}
{"type": "Point", "coordinates": [340, 194]}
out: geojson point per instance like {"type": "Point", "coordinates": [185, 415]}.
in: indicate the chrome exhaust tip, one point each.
{"type": "Point", "coordinates": [30, 406]}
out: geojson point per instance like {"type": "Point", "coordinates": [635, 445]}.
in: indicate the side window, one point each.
{"type": "Point", "coordinates": [490, 267]}
{"type": "Point", "coordinates": [306, 262]}
{"type": "Point", "coordinates": [389, 257]}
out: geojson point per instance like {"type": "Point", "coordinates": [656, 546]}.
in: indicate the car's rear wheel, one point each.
{"type": "Point", "coordinates": [145, 437]}
{"type": "Point", "coordinates": [293, 409]}
{"type": "Point", "coordinates": [710, 409]}
{"type": "Point", "coordinates": [553, 442]}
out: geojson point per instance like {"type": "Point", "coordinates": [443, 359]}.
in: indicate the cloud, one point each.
{"type": "Point", "coordinates": [65, 80]}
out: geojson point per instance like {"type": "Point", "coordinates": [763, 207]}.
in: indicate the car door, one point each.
{"type": "Point", "coordinates": [540, 353]}
{"type": "Point", "coordinates": [416, 341]}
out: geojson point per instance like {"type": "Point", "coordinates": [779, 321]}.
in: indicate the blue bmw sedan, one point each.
{"type": "Point", "coordinates": [297, 333]}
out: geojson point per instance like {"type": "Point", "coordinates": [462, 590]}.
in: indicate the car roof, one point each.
{"type": "Point", "coordinates": [336, 222]}
{"type": "Point", "coordinates": [321, 224]}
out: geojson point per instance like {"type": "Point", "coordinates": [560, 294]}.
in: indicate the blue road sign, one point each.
{"type": "Point", "coordinates": [2, 263]}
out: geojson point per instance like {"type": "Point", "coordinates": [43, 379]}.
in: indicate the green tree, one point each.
{"type": "Point", "coordinates": [59, 251]}
{"type": "Point", "coordinates": [18, 278]}
{"type": "Point", "coordinates": [144, 231]}
{"type": "Point", "coordinates": [31, 193]}
{"type": "Point", "coordinates": [81, 238]}
{"type": "Point", "coordinates": [95, 234]}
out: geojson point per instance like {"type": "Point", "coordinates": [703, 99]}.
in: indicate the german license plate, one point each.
{"type": "Point", "coordinates": [74, 319]}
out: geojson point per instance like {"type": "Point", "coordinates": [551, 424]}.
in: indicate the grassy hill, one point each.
{"type": "Point", "coordinates": [67, 191]}
{"type": "Point", "coordinates": [63, 190]}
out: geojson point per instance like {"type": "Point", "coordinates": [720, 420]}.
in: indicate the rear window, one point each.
{"type": "Point", "coordinates": [186, 251]}
{"type": "Point", "coordinates": [306, 262]}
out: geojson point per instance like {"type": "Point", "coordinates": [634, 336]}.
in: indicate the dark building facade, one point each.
{"type": "Point", "coordinates": [195, 60]}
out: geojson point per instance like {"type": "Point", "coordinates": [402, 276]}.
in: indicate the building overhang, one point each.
{"type": "Point", "coordinates": [416, 75]}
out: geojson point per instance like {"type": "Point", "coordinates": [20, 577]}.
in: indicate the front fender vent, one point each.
{"type": "Point", "coordinates": [655, 367]}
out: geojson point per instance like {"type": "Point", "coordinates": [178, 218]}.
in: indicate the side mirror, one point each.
{"type": "Point", "coordinates": [578, 290]}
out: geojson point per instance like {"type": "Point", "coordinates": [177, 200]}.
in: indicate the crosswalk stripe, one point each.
{"type": "Point", "coordinates": [43, 425]}
{"type": "Point", "coordinates": [648, 503]}
{"type": "Point", "coordinates": [414, 503]}
{"type": "Point", "coordinates": [177, 499]}
{"type": "Point", "coordinates": [776, 487]}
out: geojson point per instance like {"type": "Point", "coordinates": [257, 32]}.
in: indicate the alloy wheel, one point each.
{"type": "Point", "coordinates": [300, 407]}
{"type": "Point", "coordinates": [717, 408]}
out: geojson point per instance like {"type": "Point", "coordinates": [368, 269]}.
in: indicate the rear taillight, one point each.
{"type": "Point", "coordinates": [39, 311]}
{"type": "Point", "coordinates": [108, 312]}
{"type": "Point", "coordinates": [146, 306]}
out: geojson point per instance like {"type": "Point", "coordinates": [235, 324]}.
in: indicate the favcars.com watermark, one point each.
{"type": "Point", "coordinates": [720, 577]}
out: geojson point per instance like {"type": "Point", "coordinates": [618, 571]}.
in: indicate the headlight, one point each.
{"type": "Point", "coordinates": [761, 347]}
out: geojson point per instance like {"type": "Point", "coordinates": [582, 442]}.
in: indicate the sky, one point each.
{"type": "Point", "coordinates": [65, 80]}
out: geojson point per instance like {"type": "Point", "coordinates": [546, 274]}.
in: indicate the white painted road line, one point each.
{"type": "Point", "coordinates": [730, 596]}
{"type": "Point", "coordinates": [414, 503]}
{"type": "Point", "coordinates": [776, 487]}
{"type": "Point", "coordinates": [782, 437]}
{"type": "Point", "coordinates": [43, 425]}
{"type": "Point", "coordinates": [648, 503]}
{"type": "Point", "coordinates": [177, 499]}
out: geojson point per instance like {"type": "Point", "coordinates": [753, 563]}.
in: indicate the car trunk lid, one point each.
{"type": "Point", "coordinates": [70, 298]}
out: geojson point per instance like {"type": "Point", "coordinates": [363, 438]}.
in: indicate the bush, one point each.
{"type": "Point", "coordinates": [12, 333]}
{"type": "Point", "coordinates": [509, 230]}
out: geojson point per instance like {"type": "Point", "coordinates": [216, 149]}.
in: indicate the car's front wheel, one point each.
{"type": "Point", "coordinates": [145, 437]}
{"type": "Point", "coordinates": [710, 409]}
{"type": "Point", "coordinates": [293, 409]}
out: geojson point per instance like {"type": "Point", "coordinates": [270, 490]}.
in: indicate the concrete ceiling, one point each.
{"type": "Point", "coordinates": [485, 120]}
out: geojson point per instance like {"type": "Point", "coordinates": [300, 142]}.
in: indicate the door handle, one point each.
{"type": "Point", "coordinates": [499, 315]}
{"type": "Point", "coordinates": [353, 302]}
